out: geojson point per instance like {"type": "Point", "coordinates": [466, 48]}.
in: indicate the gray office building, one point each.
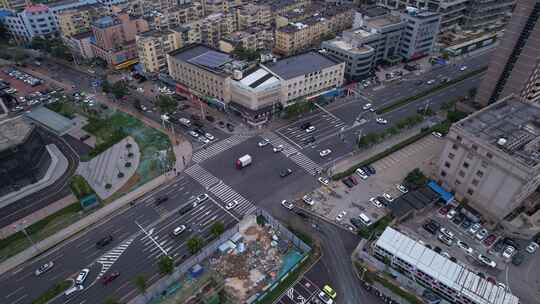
{"type": "Point", "coordinates": [420, 33]}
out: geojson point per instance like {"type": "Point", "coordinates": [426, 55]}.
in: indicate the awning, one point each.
{"type": "Point", "coordinates": [445, 195]}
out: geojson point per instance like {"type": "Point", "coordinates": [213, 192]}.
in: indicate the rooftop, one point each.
{"type": "Point", "coordinates": [347, 46]}
{"type": "Point", "coordinates": [259, 78]}
{"type": "Point", "coordinates": [301, 64]}
{"type": "Point", "coordinates": [511, 126]}
{"type": "Point", "coordinates": [374, 11]}
{"type": "Point", "coordinates": [453, 275]}
{"type": "Point", "coordinates": [382, 21]}
{"type": "Point", "coordinates": [13, 132]}
{"type": "Point", "coordinates": [155, 33]}
{"type": "Point", "coordinates": [203, 56]}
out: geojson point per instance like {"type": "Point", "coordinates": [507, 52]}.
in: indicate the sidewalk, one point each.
{"type": "Point", "coordinates": [79, 226]}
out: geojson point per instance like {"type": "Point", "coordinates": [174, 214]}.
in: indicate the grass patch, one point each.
{"type": "Point", "coordinates": [383, 154]}
{"type": "Point", "coordinates": [17, 242]}
{"type": "Point", "coordinates": [107, 133]}
{"type": "Point", "coordinates": [376, 228]}
{"type": "Point", "coordinates": [63, 108]}
{"type": "Point", "coordinates": [52, 292]}
{"type": "Point", "coordinates": [80, 187]}
{"type": "Point", "coordinates": [438, 88]}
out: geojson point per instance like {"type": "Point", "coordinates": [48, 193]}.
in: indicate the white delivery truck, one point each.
{"type": "Point", "coordinates": [243, 161]}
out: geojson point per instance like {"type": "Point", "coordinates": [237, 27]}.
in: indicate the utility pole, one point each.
{"type": "Point", "coordinates": [152, 239]}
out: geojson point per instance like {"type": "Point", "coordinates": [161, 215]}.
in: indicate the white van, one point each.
{"type": "Point", "coordinates": [365, 219]}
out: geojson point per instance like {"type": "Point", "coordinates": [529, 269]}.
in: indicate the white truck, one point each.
{"type": "Point", "coordinates": [243, 161]}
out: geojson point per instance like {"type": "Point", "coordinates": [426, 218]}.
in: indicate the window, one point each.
{"type": "Point", "coordinates": [470, 191]}
{"type": "Point", "coordinates": [457, 182]}
{"type": "Point", "coordinates": [461, 173]}
{"type": "Point", "coordinates": [451, 155]}
{"type": "Point", "coordinates": [458, 138]}
{"type": "Point", "coordinates": [465, 165]}
{"type": "Point", "coordinates": [447, 164]}
{"type": "Point", "coordinates": [479, 173]}
{"type": "Point", "coordinates": [475, 182]}
{"type": "Point", "coordinates": [443, 173]}
{"type": "Point", "coordinates": [489, 155]}
{"type": "Point", "coordinates": [475, 147]}
{"type": "Point", "coordinates": [454, 146]}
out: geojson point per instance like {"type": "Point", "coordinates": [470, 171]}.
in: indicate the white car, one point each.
{"type": "Point", "coordinates": [278, 149]}
{"type": "Point", "coordinates": [437, 134]}
{"type": "Point", "coordinates": [484, 259]}
{"type": "Point", "coordinates": [361, 173]}
{"type": "Point", "coordinates": [202, 197]}
{"type": "Point", "coordinates": [324, 180]}
{"type": "Point", "coordinates": [450, 215]}
{"type": "Point", "coordinates": [376, 202]}
{"type": "Point", "coordinates": [310, 129]}
{"type": "Point", "coordinates": [73, 289]}
{"type": "Point", "coordinates": [532, 247]}
{"type": "Point", "coordinates": [402, 189]}
{"type": "Point", "coordinates": [287, 204]}
{"type": "Point", "coordinates": [44, 268]}
{"type": "Point", "coordinates": [325, 152]}
{"type": "Point", "coordinates": [203, 139]}
{"type": "Point", "coordinates": [367, 106]}
{"type": "Point", "coordinates": [465, 247]}
{"type": "Point", "coordinates": [82, 276]}
{"type": "Point", "coordinates": [430, 82]}
{"type": "Point", "coordinates": [308, 200]}
{"type": "Point", "coordinates": [447, 232]}
{"type": "Point", "coordinates": [178, 230]}
{"type": "Point", "coordinates": [445, 254]}
{"type": "Point", "coordinates": [474, 228]}
{"type": "Point", "coordinates": [480, 235]}
{"type": "Point", "coordinates": [209, 136]}
{"type": "Point", "coordinates": [193, 134]}
{"type": "Point", "coordinates": [381, 121]}
{"type": "Point", "coordinates": [340, 216]}
{"type": "Point", "coordinates": [325, 298]}
{"type": "Point", "coordinates": [231, 205]}
{"type": "Point", "coordinates": [264, 142]}
{"type": "Point", "coordinates": [463, 68]}
{"type": "Point", "coordinates": [388, 197]}
{"type": "Point", "coordinates": [508, 252]}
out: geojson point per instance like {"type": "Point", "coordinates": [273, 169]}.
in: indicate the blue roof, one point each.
{"type": "Point", "coordinates": [5, 13]}
{"type": "Point", "coordinates": [445, 195]}
{"type": "Point", "coordinates": [104, 21]}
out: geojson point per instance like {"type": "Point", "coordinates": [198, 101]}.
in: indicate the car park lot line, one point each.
{"type": "Point", "coordinates": [301, 292]}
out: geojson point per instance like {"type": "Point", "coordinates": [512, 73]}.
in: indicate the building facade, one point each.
{"type": "Point", "coordinates": [250, 39]}
{"type": "Point", "coordinates": [80, 45]}
{"type": "Point", "coordinates": [251, 15]}
{"type": "Point", "coordinates": [153, 47]}
{"type": "Point", "coordinates": [487, 15]}
{"type": "Point", "coordinates": [14, 4]}
{"type": "Point", "coordinates": [420, 33]}
{"type": "Point", "coordinates": [515, 65]}
{"type": "Point", "coordinates": [491, 158]}
{"type": "Point", "coordinates": [79, 20]}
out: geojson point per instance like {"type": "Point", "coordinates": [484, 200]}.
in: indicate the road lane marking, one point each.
{"type": "Point", "coordinates": [14, 292]}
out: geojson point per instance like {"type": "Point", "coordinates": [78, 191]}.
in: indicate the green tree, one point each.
{"type": "Point", "coordinates": [119, 89]}
{"type": "Point", "coordinates": [39, 43]}
{"type": "Point", "coordinates": [166, 265]}
{"type": "Point", "coordinates": [166, 104]}
{"type": "Point", "coordinates": [18, 56]}
{"type": "Point", "coordinates": [140, 282]}
{"type": "Point", "coordinates": [106, 86]}
{"type": "Point", "coordinates": [454, 116]}
{"type": "Point", "coordinates": [415, 179]}
{"type": "Point", "coordinates": [111, 301]}
{"type": "Point", "coordinates": [195, 244]}
{"type": "Point", "coordinates": [217, 229]}
{"type": "Point", "coordinates": [472, 92]}
{"type": "Point", "coordinates": [246, 54]}
{"type": "Point", "coordinates": [328, 36]}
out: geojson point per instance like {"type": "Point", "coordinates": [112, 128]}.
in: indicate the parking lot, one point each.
{"type": "Point", "coordinates": [303, 292]}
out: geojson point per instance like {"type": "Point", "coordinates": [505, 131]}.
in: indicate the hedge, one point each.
{"type": "Point", "coordinates": [438, 88]}
{"type": "Point", "coordinates": [52, 292]}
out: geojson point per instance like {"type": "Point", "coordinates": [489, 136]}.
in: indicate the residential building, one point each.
{"type": "Point", "coordinates": [153, 47]}
{"type": "Point", "coordinates": [14, 5]}
{"type": "Point", "coordinates": [487, 14]}
{"type": "Point", "coordinates": [175, 16]}
{"type": "Point", "coordinates": [201, 72]}
{"type": "Point", "coordinates": [306, 75]}
{"type": "Point", "coordinates": [515, 65]}
{"type": "Point", "coordinates": [384, 33]}
{"type": "Point", "coordinates": [149, 7]}
{"type": "Point", "coordinates": [250, 39]}
{"type": "Point", "coordinates": [491, 158]}
{"type": "Point", "coordinates": [279, 7]}
{"type": "Point", "coordinates": [79, 20]}
{"type": "Point", "coordinates": [420, 33]}
{"type": "Point", "coordinates": [210, 30]}
{"type": "Point", "coordinates": [296, 37]}
{"type": "Point", "coordinates": [80, 45]}
{"type": "Point", "coordinates": [115, 38]}
{"type": "Point", "coordinates": [252, 15]}
{"type": "Point", "coordinates": [110, 5]}
{"type": "Point", "coordinates": [453, 281]}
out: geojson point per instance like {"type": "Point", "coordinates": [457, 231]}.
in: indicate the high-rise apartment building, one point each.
{"type": "Point", "coordinates": [515, 65]}
{"type": "Point", "coordinates": [79, 20]}
{"type": "Point", "coordinates": [153, 47]}
{"type": "Point", "coordinates": [487, 14]}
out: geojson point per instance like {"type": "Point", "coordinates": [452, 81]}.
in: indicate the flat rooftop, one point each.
{"type": "Point", "coordinates": [301, 64]}
{"type": "Point", "coordinates": [511, 126]}
{"type": "Point", "coordinates": [347, 46]}
{"type": "Point", "coordinates": [202, 56]}
{"type": "Point", "coordinates": [383, 21]}
{"type": "Point", "coordinates": [13, 132]}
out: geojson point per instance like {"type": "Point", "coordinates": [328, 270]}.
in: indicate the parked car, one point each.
{"type": "Point", "coordinates": [264, 142]}
{"type": "Point", "coordinates": [310, 129]}
{"type": "Point", "coordinates": [110, 277]}
{"type": "Point", "coordinates": [308, 199]}
{"type": "Point", "coordinates": [474, 228]}
{"type": "Point", "coordinates": [508, 252]}
{"type": "Point", "coordinates": [487, 261]}
{"type": "Point", "coordinates": [489, 240]}
{"type": "Point", "coordinates": [325, 152]}
{"type": "Point", "coordinates": [161, 199]}
{"type": "Point", "coordinates": [458, 219]}
{"type": "Point", "coordinates": [209, 136]}
{"type": "Point", "coordinates": [437, 134]}
{"type": "Point", "coordinates": [402, 189]}
{"type": "Point", "coordinates": [340, 216]}
{"type": "Point", "coordinates": [381, 121]}
{"type": "Point", "coordinates": [450, 215]}
{"type": "Point", "coordinates": [367, 106]}
{"type": "Point", "coordinates": [285, 172]}
{"type": "Point", "coordinates": [353, 180]}
{"type": "Point", "coordinates": [466, 224]}
{"type": "Point", "coordinates": [468, 249]}
{"type": "Point", "coordinates": [104, 241]}
{"type": "Point", "coordinates": [287, 204]}
{"type": "Point", "coordinates": [518, 259]}
{"type": "Point", "coordinates": [480, 235]}
{"type": "Point", "coordinates": [202, 197]}
{"type": "Point", "coordinates": [444, 210]}
{"type": "Point", "coordinates": [376, 202]}
{"type": "Point", "coordinates": [324, 180]}
{"type": "Point", "coordinates": [44, 268]}
{"type": "Point", "coordinates": [532, 247]}
{"type": "Point", "coordinates": [347, 182]}
{"type": "Point", "coordinates": [388, 197]}
{"type": "Point", "coordinates": [361, 173]}
{"type": "Point", "coordinates": [278, 148]}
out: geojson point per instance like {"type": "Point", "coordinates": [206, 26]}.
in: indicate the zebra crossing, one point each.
{"type": "Point", "coordinates": [228, 195]}
{"type": "Point", "coordinates": [109, 258]}
{"type": "Point", "coordinates": [215, 149]}
{"type": "Point", "coordinates": [291, 152]}
{"type": "Point", "coordinates": [203, 177]}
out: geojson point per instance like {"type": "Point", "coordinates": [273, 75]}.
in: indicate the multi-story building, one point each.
{"type": "Point", "coordinates": [14, 4]}
{"type": "Point", "coordinates": [487, 14]}
{"type": "Point", "coordinates": [295, 37]}
{"type": "Point", "coordinates": [451, 280]}
{"type": "Point", "coordinates": [115, 38]}
{"type": "Point", "coordinates": [250, 39]}
{"type": "Point", "coordinates": [491, 158]}
{"type": "Point", "coordinates": [251, 15]}
{"type": "Point", "coordinates": [515, 65]}
{"type": "Point", "coordinates": [209, 30]}
{"type": "Point", "coordinates": [149, 7]}
{"type": "Point", "coordinates": [175, 16]}
{"type": "Point", "coordinates": [153, 47]}
{"type": "Point", "coordinates": [420, 33]}
{"type": "Point", "coordinates": [80, 45]}
{"type": "Point", "coordinates": [79, 20]}
{"type": "Point", "coordinates": [279, 7]}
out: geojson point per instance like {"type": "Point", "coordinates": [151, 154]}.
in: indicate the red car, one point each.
{"type": "Point", "coordinates": [444, 210]}
{"type": "Point", "coordinates": [490, 240]}
{"type": "Point", "coordinates": [353, 180]}
{"type": "Point", "coordinates": [109, 278]}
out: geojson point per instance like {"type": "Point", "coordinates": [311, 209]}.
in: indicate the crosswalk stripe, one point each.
{"type": "Point", "coordinates": [296, 156]}
{"type": "Point", "coordinates": [215, 149]}
{"type": "Point", "coordinates": [109, 258]}
{"type": "Point", "coordinates": [202, 176]}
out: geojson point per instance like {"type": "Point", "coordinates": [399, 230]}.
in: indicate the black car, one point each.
{"type": "Point", "coordinates": [230, 127]}
{"type": "Point", "coordinates": [518, 258]}
{"type": "Point", "coordinates": [466, 224]}
{"type": "Point", "coordinates": [430, 228]}
{"type": "Point", "coordinates": [458, 219]}
{"type": "Point", "coordinates": [285, 172]}
{"type": "Point", "coordinates": [305, 125]}
{"type": "Point", "coordinates": [357, 223]}
{"type": "Point", "coordinates": [510, 242]}
{"type": "Point", "coordinates": [347, 182]}
{"type": "Point", "coordinates": [383, 201]}
{"type": "Point", "coordinates": [198, 124]}
{"type": "Point", "coordinates": [309, 140]}
{"type": "Point", "coordinates": [498, 246]}
{"type": "Point", "coordinates": [104, 241]}
{"type": "Point", "coordinates": [160, 200]}
{"type": "Point", "coordinates": [437, 249]}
